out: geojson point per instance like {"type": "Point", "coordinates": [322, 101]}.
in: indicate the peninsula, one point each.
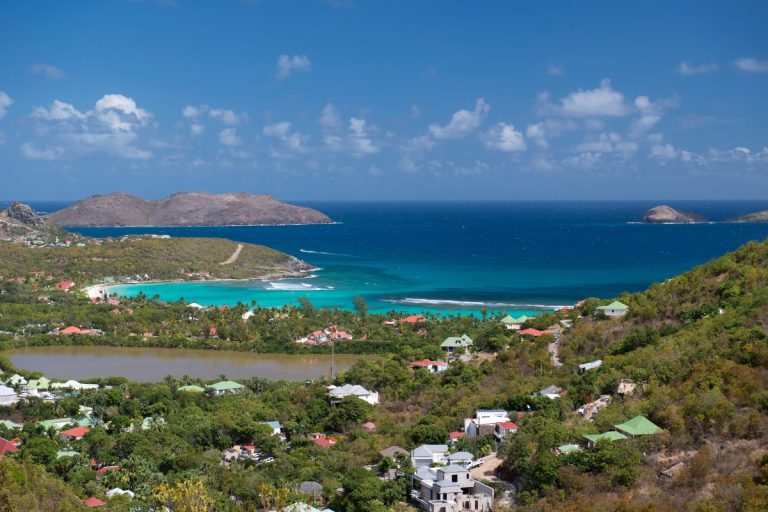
{"type": "Point", "coordinates": [185, 209]}
{"type": "Point", "coordinates": [664, 214]}
{"type": "Point", "coordinates": [761, 216]}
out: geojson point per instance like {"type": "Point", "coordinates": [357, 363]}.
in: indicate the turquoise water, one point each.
{"type": "Point", "coordinates": [452, 258]}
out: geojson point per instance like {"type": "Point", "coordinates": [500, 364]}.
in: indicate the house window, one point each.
{"type": "Point", "coordinates": [454, 478]}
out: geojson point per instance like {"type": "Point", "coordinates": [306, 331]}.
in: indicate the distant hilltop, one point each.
{"type": "Point", "coordinates": [664, 214]}
{"type": "Point", "coordinates": [185, 209]}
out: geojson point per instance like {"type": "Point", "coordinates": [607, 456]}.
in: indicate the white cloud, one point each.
{"type": "Point", "coordinates": [196, 129]}
{"type": "Point", "coordinates": [48, 71]}
{"type": "Point", "coordinates": [224, 115]}
{"type": "Point", "coordinates": [702, 69]}
{"type": "Point", "coordinates": [192, 111]}
{"type": "Point", "coordinates": [664, 152]}
{"type": "Point", "coordinates": [329, 117]}
{"type": "Point", "coordinates": [34, 153]}
{"type": "Point", "coordinates": [462, 122]}
{"type": "Point", "coordinates": [291, 142]}
{"type": "Point", "coordinates": [287, 64]}
{"type": "Point", "coordinates": [752, 65]}
{"type": "Point", "coordinates": [58, 111]}
{"type": "Point", "coordinates": [603, 101]}
{"type": "Point", "coordinates": [229, 137]}
{"type": "Point", "coordinates": [504, 137]}
{"type": "Point", "coordinates": [5, 102]}
{"type": "Point", "coordinates": [538, 134]}
{"type": "Point", "coordinates": [360, 141]}
{"type": "Point", "coordinates": [420, 143]}
{"type": "Point", "coordinates": [112, 127]}
{"type": "Point", "coordinates": [555, 70]}
{"type": "Point", "coordinates": [650, 114]}
{"type": "Point", "coordinates": [583, 160]}
{"type": "Point", "coordinates": [607, 143]}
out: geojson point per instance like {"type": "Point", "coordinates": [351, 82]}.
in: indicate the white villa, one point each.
{"type": "Point", "coordinates": [428, 454]}
{"type": "Point", "coordinates": [8, 396]}
{"type": "Point", "coordinates": [337, 393]}
{"type": "Point", "coordinates": [484, 422]}
{"type": "Point", "coordinates": [450, 489]}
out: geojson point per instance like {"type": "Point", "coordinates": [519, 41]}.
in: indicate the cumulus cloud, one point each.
{"type": "Point", "coordinates": [360, 140]}
{"type": "Point", "coordinates": [664, 152]}
{"type": "Point", "coordinates": [702, 69]}
{"type": "Point", "coordinates": [5, 102]}
{"type": "Point", "coordinates": [224, 115]}
{"type": "Point", "coordinates": [504, 137]}
{"type": "Point", "coordinates": [752, 65]}
{"type": "Point", "coordinates": [329, 118]}
{"type": "Point", "coordinates": [48, 71]}
{"type": "Point", "coordinates": [196, 129]}
{"type": "Point", "coordinates": [610, 142]}
{"type": "Point", "coordinates": [289, 143]}
{"type": "Point", "coordinates": [112, 127]}
{"type": "Point", "coordinates": [604, 101]}
{"type": "Point", "coordinates": [192, 111]}
{"type": "Point", "coordinates": [288, 64]}
{"type": "Point", "coordinates": [420, 143]}
{"type": "Point", "coordinates": [462, 122]}
{"type": "Point", "coordinates": [583, 160]}
{"type": "Point", "coordinates": [229, 137]}
{"type": "Point", "coordinates": [538, 134]}
{"type": "Point", "coordinates": [650, 114]}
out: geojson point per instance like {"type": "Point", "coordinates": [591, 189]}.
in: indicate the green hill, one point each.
{"type": "Point", "coordinates": [157, 258]}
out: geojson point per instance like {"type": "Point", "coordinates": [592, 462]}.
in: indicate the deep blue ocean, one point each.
{"type": "Point", "coordinates": [453, 257]}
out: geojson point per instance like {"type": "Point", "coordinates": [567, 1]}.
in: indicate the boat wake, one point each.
{"type": "Point", "coordinates": [472, 304]}
{"type": "Point", "coordinates": [324, 253]}
{"type": "Point", "coordinates": [303, 287]}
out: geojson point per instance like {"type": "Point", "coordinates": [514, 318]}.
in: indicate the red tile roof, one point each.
{"type": "Point", "coordinates": [325, 443]}
{"type": "Point", "coordinates": [8, 446]}
{"type": "Point", "coordinates": [531, 332]}
{"type": "Point", "coordinates": [75, 432]}
{"type": "Point", "coordinates": [508, 425]}
{"type": "Point", "coordinates": [413, 319]}
{"type": "Point", "coordinates": [456, 434]}
{"type": "Point", "coordinates": [94, 502]}
{"type": "Point", "coordinates": [105, 469]}
{"type": "Point", "coordinates": [427, 362]}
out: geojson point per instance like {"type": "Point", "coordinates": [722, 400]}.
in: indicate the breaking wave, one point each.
{"type": "Point", "coordinates": [471, 303]}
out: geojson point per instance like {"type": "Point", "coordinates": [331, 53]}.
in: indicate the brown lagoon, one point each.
{"type": "Point", "coordinates": [153, 364]}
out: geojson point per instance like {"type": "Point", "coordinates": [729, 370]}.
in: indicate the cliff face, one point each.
{"type": "Point", "coordinates": [20, 223]}
{"type": "Point", "coordinates": [185, 209]}
{"type": "Point", "coordinates": [664, 214]}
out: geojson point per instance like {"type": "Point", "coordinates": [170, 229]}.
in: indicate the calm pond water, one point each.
{"type": "Point", "coordinates": [154, 364]}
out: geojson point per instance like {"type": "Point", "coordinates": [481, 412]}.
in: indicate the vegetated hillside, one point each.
{"type": "Point", "coordinates": [697, 345]}
{"type": "Point", "coordinates": [185, 209]}
{"type": "Point", "coordinates": [702, 376]}
{"type": "Point", "coordinates": [157, 258]}
{"type": "Point", "coordinates": [26, 487]}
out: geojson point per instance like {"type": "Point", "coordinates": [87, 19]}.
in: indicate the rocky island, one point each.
{"type": "Point", "coordinates": [664, 214]}
{"type": "Point", "coordinates": [761, 216]}
{"type": "Point", "coordinates": [185, 209]}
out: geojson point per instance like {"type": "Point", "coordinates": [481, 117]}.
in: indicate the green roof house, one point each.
{"type": "Point", "coordinates": [565, 449]}
{"type": "Point", "coordinates": [10, 425]}
{"type": "Point", "coordinates": [456, 344]}
{"type": "Point", "coordinates": [66, 453]}
{"type": "Point", "coordinates": [614, 309]}
{"type": "Point", "coordinates": [57, 423]}
{"type": "Point", "coordinates": [191, 389]}
{"type": "Point", "coordinates": [638, 426]}
{"type": "Point", "coordinates": [38, 384]}
{"type": "Point", "coordinates": [612, 435]}
{"type": "Point", "coordinates": [226, 387]}
{"type": "Point", "coordinates": [513, 323]}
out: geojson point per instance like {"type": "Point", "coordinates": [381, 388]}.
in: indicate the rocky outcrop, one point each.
{"type": "Point", "coordinates": [751, 217]}
{"type": "Point", "coordinates": [185, 209]}
{"type": "Point", "coordinates": [665, 214]}
{"type": "Point", "coordinates": [20, 224]}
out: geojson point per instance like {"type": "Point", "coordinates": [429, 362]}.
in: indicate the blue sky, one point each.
{"type": "Point", "coordinates": [356, 100]}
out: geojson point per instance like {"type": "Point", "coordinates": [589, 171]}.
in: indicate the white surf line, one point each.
{"type": "Point", "coordinates": [234, 256]}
